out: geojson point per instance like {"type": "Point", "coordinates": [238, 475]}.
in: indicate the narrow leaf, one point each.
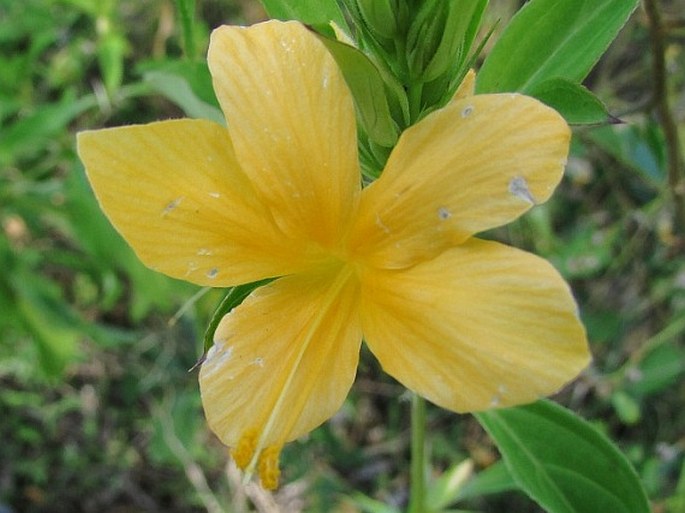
{"type": "Point", "coordinates": [562, 462]}
{"type": "Point", "coordinates": [552, 39]}
{"type": "Point", "coordinates": [186, 13]}
{"type": "Point", "coordinates": [494, 479]}
{"type": "Point", "coordinates": [233, 298]}
{"type": "Point", "coordinates": [368, 90]}
{"type": "Point", "coordinates": [178, 90]}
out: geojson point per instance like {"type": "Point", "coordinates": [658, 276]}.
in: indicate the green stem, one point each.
{"type": "Point", "coordinates": [186, 11]}
{"type": "Point", "coordinates": [417, 498]}
{"type": "Point", "coordinates": [676, 161]}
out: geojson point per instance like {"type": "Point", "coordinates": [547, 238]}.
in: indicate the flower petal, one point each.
{"type": "Point", "coordinates": [480, 326]}
{"type": "Point", "coordinates": [282, 362]}
{"type": "Point", "coordinates": [478, 163]}
{"type": "Point", "coordinates": [175, 192]}
{"type": "Point", "coordinates": [292, 123]}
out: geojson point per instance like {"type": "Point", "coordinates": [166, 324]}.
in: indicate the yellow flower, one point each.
{"type": "Point", "coordinates": [467, 323]}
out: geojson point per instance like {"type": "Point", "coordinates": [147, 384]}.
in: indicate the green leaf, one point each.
{"type": "Point", "coordinates": [369, 505]}
{"type": "Point", "coordinates": [639, 146]}
{"type": "Point", "coordinates": [177, 89]}
{"type": "Point", "coordinates": [310, 12]}
{"type": "Point", "coordinates": [233, 298]}
{"type": "Point", "coordinates": [459, 483]}
{"type": "Point", "coordinates": [573, 101]}
{"type": "Point", "coordinates": [46, 122]}
{"type": "Point", "coordinates": [552, 39]}
{"type": "Point", "coordinates": [195, 73]}
{"type": "Point", "coordinates": [662, 365]}
{"type": "Point", "coordinates": [457, 37]}
{"type": "Point", "coordinates": [111, 50]}
{"type": "Point", "coordinates": [444, 490]}
{"type": "Point", "coordinates": [55, 327]}
{"type": "Point", "coordinates": [186, 12]}
{"type": "Point", "coordinates": [626, 407]}
{"type": "Point", "coordinates": [368, 90]}
{"type": "Point", "coordinates": [494, 479]}
{"type": "Point", "coordinates": [562, 462]}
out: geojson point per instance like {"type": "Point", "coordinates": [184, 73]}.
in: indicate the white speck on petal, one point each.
{"type": "Point", "coordinates": [468, 110]}
{"type": "Point", "coordinates": [204, 252]}
{"type": "Point", "coordinates": [381, 224]}
{"type": "Point", "coordinates": [259, 361]}
{"type": "Point", "coordinates": [192, 267]}
{"type": "Point", "coordinates": [171, 206]}
{"type": "Point", "coordinates": [212, 273]}
{"type": "Point", "coordinates": [214, 195]}
{"type": "Point", "coordinates": [518, 186]}
{"type": "Point", "coordinates": [216, 357]}
{"type": "Point", "coordinates": [496, 399]}
{"type": "Point", "coordinates": [212, 351]}
{"type": "Point", "coordinates": [444, 214]}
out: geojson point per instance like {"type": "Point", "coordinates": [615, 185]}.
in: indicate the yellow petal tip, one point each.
{"type": "Point", "coordinates": [269, 473]}
{"type": "Point", "coordinates": [243, 453]}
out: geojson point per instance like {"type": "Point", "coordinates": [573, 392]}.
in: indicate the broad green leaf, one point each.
{"type": "Point", "coordinates": [562, 462]}
{"type": "Point", "coordinates": [573, 101]}
{"type": "Point", "coordinates": [368, 90]}
{"type": "Point", "coordinates": [310, 12]}
{"type": "Point", "coordinates": [552, 39]}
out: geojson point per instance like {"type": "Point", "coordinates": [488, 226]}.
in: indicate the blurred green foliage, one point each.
{"type": "Point", "coordinates": [97, 409]}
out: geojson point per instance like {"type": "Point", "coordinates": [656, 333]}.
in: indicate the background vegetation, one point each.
{"type": "Point", "coordinates": [98, 412]}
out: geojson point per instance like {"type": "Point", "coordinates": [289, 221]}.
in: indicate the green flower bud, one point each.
{"type": "Point", "coordinates": [437, 40]}
{"type": "Point", "coordinates": [424, 36]}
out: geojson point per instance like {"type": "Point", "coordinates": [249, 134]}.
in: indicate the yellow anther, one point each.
{"type": "Point", "coordinates": [268, 467]}
{"type": "Point", "coordinates": [243, 453]}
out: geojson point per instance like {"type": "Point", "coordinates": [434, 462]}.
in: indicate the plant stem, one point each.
{"type": "Point", "coordinates": [676, 164]}
{"type": "Point", "coordinates": [418, 455]}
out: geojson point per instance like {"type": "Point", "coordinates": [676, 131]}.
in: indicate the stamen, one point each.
{"type": "Point", "coordinates": [268, 467]}
{"type": "Point", "coordinates": [243, 453]}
